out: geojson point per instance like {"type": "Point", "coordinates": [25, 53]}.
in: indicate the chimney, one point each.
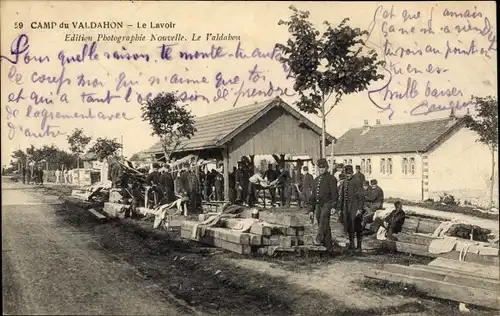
{"type": "Point", "coordinates": [366, 127]}
{"type": "Point", "coordinates": [377, 122]}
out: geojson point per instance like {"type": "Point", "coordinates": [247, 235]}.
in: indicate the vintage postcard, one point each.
{"type": "Point", "coordinates": [249, 158]}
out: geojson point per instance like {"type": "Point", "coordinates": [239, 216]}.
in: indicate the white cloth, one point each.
{"type": "Point", "coordinates": [381, 233]}
{"type": "Point", "coordinates": [104, 173]}
{"type": "Point", "coordinates": [382, 214]}
{"type": "Point", "coordinates": [256, 178]}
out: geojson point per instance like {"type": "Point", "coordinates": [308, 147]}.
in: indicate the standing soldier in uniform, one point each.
{"type": "Point", "coordinates": [193, 189]}
{"type": "Point", "coordinates": [271, 175]}
{"type": "Point", "coordinates": [283, 181]}
{"type": "Point", "coordinates": [232, 186]}
{"type": "Point", "coordinates": [350, 205]}
{"type": "Point", "coordinates": [296, 184]}
{"type": "Point", "coordinates": [307, 186]}
{"type": "Point", "coordinates": [167, 184]}
{"type": "Point", "coordinates": [219, 185]}
{"type": "Point", "coordinates": [241, 180]}
{"type": "Point", "coordinates": [323, 200]}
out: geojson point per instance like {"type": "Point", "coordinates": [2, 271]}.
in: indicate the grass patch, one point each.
{"type": "Point", "coordinates": [435, 306]}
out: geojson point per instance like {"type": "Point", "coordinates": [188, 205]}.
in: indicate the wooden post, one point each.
{"type": "Point", "coordinates": [225, 164]}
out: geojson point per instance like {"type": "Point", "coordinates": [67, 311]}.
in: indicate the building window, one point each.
{"type": "Point", "coordinates": [389, 165]}
{"type": "Point", "coordinates": [404, 169]}
{"type": "Point", "coordinates": [382, 166]}
{"type": "Point", "coordinates": [349, 162]}
{"type": "Point", "coordinates": [368, 166]}
{"type": "Point", "coordinates": [345, 162]}
{"type": "Point", "coordinates": [363, 170]}
{"type": "Point", "coordinates": [412, 166]}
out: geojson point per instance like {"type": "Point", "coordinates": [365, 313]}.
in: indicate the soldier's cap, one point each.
{"type": "Point", "coordinates": [305, 168]}
{"type": "Point", "coordinates": [366, 182]}
{"type": "Point", "coordinates": [322, 163]}
{"type": "Point", "coordinates": [348, 169]}
{"type": "Point", "coordinates": [373, 181]}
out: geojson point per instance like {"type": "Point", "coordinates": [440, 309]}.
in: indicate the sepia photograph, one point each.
{"type": "Point", "coordinates": [249, 158]}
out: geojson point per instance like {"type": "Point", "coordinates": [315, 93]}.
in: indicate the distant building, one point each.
{"type": "Point", "coordinates": [421, 160]}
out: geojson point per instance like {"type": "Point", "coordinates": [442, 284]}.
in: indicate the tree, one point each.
{"type": "Point", "coordinates": [20, 158]}
{"type": "Point", "coordinates": [169, 120]}
{"type": "Point", "coordinates": [485, 123]}
{"type": "Point", "coordinates": [77, 142]}
{"type": "Point", "coordinates": [332, 63]}
{"type": "Point", "coordinates": [104, 147]}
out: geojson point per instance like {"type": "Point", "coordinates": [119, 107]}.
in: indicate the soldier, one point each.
{"type": "Point", "coordinates": [167, 185]}
{"type": "Point", "coordinates": [232, 185]}
{"type": "Point", "coordinates": [153, 180]}
{"type": "Point", "coordinates": [307, 186]}
{"type": "Point", "coordinates": [219, 185]}
{"type": "Point", "coordinates": [350, 204]}
{"type": "Point", "coordinates": [193, 189]}
{"type": "Point", "coordinates": [296, 184]}
{"type": "Point", "coordinates": [271, 175]}
{"type": "Point", "coordinates": [241, 180]}
{"type": "Point", "coordinates": [359, 175]}
{"type": "Point", "coordinates": [323, 200]}
{"type": "Point", "coordinates": [283, 181]}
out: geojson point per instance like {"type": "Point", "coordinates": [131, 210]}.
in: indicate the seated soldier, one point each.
{"type": "Point", "coordinates": [394, 222]}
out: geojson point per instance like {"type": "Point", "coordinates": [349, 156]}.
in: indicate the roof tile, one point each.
{"type": "Point", "coordinates": [393, 138]}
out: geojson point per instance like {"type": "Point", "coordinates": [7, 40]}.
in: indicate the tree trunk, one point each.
{"type": "Point", "coordinates": [78, 169]}
{"type": "Point", "coordinates": [492, 183]}
{"type": "Point", "coordinates": [323, 137]}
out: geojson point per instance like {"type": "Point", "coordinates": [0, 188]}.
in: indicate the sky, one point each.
{"type": "Point", "coordinates": [437, 55]}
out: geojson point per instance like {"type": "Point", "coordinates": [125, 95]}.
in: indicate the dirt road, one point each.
{"type": "Point", "coordinates": [48, 268]}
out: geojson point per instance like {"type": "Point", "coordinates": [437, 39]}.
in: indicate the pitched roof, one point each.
{"type": "Point", "coordinates": [395, 138]}
{"type": "Point", "coordinates": [217, 129]}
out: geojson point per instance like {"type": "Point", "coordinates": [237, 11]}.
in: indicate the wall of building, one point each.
{"type": "Point", "coordinates": [396, 184]}
{"type": "Point", "coordinates": [278, 132]}
{"type": "Point", "coordinates": [460, 166]}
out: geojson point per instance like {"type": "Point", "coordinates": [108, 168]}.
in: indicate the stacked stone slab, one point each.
{"type": "Point", "coordinates": [263, 237]}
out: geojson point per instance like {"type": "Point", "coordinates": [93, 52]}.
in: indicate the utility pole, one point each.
{"type": "Point", "coordinates": [121, 140]}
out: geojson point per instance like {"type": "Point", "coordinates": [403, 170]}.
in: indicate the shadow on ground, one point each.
{"type": "Point", "coordinates": [202, 278]}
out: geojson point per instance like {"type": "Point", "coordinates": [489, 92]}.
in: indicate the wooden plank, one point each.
{"type": "Point", "coordinates": [271, 240]}
{"type": "Point", "coordinates": [98, 215]}
{"type": "Point", "coordinates": [445, 276]}
{"type": "Point", "coordinates": [415, 239]}
{"type": "Point", "coordinates": [273, 218]}
{"type": "Point", "coordinates": [260, 229]}
{"type": "Point", "coordinates": [288, 241]}
{"type": "Point", "coordinates": [472, 257]}
{"type": "Point", "coordinates": [460, 272]}
{"type": "Point", "coordinates": [211, 241]}
{"type": "Point", "coordinates": [471, 267]}
{"type": "Point", "coordinates": [414, 249]}
{"type": "Point", "coordinates": [226, 234]}
{"type": "Point", "coordinates": [415, 224]}
{"type": "Point", "coordinates": [298, 249]}
{"type": "Point", "coordinates": [422, 250]}
{"type": "Point", "coordinates": [440, 289]}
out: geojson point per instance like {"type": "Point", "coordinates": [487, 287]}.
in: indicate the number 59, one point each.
{"type": "Point", "coordinates": [18, 25]}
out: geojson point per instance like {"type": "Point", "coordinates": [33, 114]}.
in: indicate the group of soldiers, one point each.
{"type": "Point", "coordinates": [32, 175]}
{"type": "Point", "coordinates": [341, 191]}
{"type": "Point", "coordinates": [354, 199]}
